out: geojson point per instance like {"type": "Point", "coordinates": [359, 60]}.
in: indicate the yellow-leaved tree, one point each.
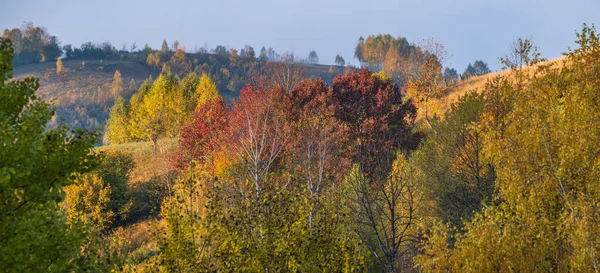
{"type": "Point", "coordinates": [205, 91]}
{"type": "Point", "coordinates": [541, 134]}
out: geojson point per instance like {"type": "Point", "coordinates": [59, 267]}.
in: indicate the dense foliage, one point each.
{"type": "Point", "coordinates": [35, 165]}
{"type": "Point", "coordinates": [302, 175]}
{"type": "Point", "coordinates": [32, 44]}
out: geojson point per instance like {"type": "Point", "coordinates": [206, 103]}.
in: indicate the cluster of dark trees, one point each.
{"type": "Point", "coordinates": [33, 44]}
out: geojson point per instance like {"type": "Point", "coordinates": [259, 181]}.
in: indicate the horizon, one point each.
{"type": "Point", "coordinates": [478, 30]}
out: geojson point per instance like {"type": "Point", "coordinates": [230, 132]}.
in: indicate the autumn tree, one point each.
{"type": "Point", "coordinates": [59, 66]}
{"type": "Point", "coordinates": [545, 214]}
{"type": "Point", "coordinates": [117, 84]}
{"type": "Point", "coordinates": [201, 136]}
{"type": "Point", "coordinates": [284, 74]}
{"type": "Point", "coordinates": [117, 130]}
{"type": "Point", "coordinates": [387, 208]}
{"type": "Point", "coordinates": [425, 73]}
{"type": "Point", "coordinates": [152, 60]}
{"type": "Point", "coordinates": [132, 85]}
{"type": "Point", "coordinates": [378, 118]}
{"type": "Point", "coordinates": [206, 90]}
{"type": "Point", "coordinates": [458, 179]}
{"type": "Point", "coordinates": [178, 63]}
{"type": "Point", "coordinates": [158, 114]}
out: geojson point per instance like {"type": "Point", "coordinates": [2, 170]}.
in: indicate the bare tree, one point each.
{"type": "Point", "coordinates": [386, 206]}
{"type": "Point", "coordinates": [284, 74]}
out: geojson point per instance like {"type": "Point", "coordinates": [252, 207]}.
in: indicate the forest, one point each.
{"type": "Point", "coordinates": [361, 172]}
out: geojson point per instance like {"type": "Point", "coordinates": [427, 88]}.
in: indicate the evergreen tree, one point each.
{"type": "Point", "coordinates": [339, 60]}
{"type": "Point", "coordinates": [165, 47]}
{"type": "Point", "coordinates": [262, 57]}
{"type": "Point", "coordinates": [313, 58]}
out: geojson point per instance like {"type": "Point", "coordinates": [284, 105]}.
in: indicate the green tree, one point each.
{"type": "Point", "coordinates": [457, 178]}
{"type": "Point", "coordinates": [165, 47]}
{"type": "Point", "coordinates": [117, 130]}
{"type": "Point", "coordinates": [313, 58]}
{"type": "Point", "coordinates": [160, 113]}
{"type": "Point", "coordinates": [339, 60]}
{"type": "Point", "coordinates": [36, 164]}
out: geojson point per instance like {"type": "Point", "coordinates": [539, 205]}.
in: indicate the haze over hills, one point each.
{"type": "Point", "coordinates": [240, 159]}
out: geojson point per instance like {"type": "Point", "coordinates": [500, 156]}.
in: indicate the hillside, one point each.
{"type": "Point", "coordinates": [81, 92]}
{"type": "Point", "coordinates": [476, 84]}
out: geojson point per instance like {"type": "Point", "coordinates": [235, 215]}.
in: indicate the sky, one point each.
{"type": "Point", "coordinates": [469, 29]}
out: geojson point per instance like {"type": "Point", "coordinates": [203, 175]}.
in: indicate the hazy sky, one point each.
{"type": "Point", "coordinates": [470, 29]}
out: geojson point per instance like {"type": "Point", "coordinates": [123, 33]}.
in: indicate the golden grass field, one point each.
{"type": "Point", "coordinates": [477, 84]}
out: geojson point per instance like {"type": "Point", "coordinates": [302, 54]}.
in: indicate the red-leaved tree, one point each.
{"type": "Point", "coordinates": [203, 134]}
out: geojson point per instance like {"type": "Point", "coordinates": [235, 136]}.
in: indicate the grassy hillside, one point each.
{"type": "Point", "coordinates": [81, 92]}
{"type": "Point", "coordinates": [476, 84]}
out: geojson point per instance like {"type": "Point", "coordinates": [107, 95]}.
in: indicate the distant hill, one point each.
{"type": "Point", "coordinates": [81, 92]}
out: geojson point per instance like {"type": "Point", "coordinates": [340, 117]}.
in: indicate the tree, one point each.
{"type": "Point", "coordinates": [339, 60]}
{"type": "Point", "coordinates": [284, 74]}
{"type": "Point", "coordinates": [205, 91]}
{"type": "Point", "coordinates": [178, 63]}
{"type": "Point", "coordinates": [59, 66]}
{"type": "Point", "coordinates": [545, 214]}
{"type": "Point", "coordinates": [200, 137]}
{"type": "Point", "coordinates": [153, 61]}
{"type": "Point", "coordinates": [457, 178]}
{"type": "Point", "coordinates": [262, 57]}
{"type": "Point", "coordinates": [37, 163]}
{"type": "Point", "coordinates": [313, 58]}
{"type": "Point", "coordinates": [132, 85]}
{"type": "Point", "coordinates": [117, 130]}
{"type": "Point", "coordinates": [159, 113]}
{"type": "Point", "coordinates": [147, 48]}
{"type": "Point", "coordinates": [117, 84]}
{"type": "Point", "coordinates": [477, 69]}
{"type": "Point", "coordinates": [176, 45]}
{"type": "Point", "coordinates": [387, 209]}
{"type": "Point", "coordinates": [481, 68]}
{"type": "Point", "coordinates": [425, 73]}
{"type": "Point", "coordinates": [450, 76]}
{"type": "Point", "coordinates": [378, 119]}
{"type": "Point", "coordinates": [165, 47]}
{"type": "Point", "coordinates": [87, 202]}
